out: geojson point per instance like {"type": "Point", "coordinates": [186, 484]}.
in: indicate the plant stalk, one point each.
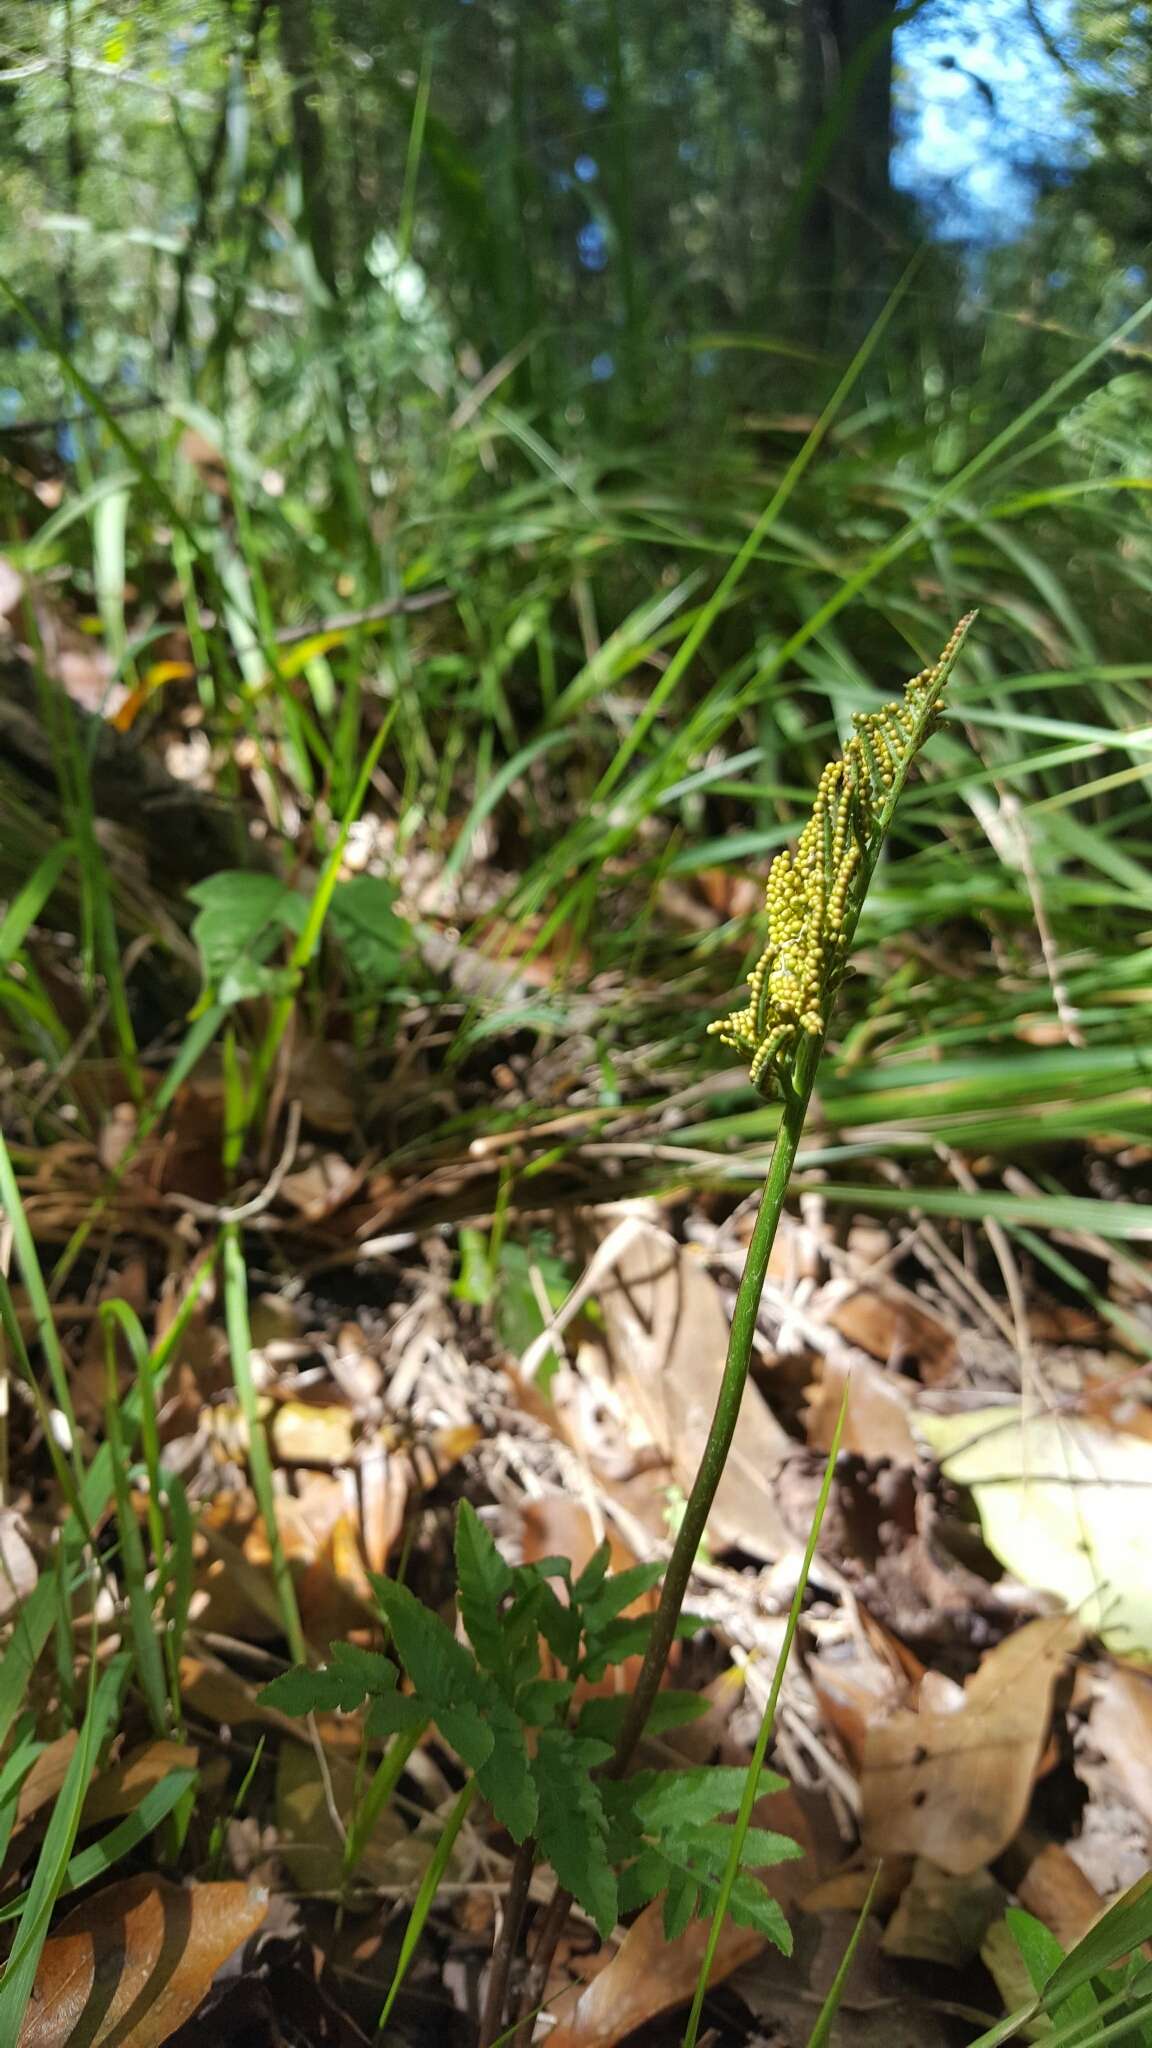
{"type": "Point", "coordinates": [727, 1412]}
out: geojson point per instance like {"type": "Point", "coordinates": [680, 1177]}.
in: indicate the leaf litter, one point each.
{"type": "Point", "coordinates": [970, 1700]}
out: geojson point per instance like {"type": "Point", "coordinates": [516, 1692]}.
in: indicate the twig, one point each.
{"type": "Point", "coordinates": [507, 1943]}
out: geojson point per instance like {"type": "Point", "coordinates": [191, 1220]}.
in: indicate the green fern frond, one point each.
{"type": "Point", "coordinates": [816, 890]}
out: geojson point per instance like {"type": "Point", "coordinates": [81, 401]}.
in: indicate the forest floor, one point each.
{"type": "Point", "coordinates": [500, 1268]}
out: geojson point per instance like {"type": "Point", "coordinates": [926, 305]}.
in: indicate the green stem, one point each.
{"type": "Point", "coordinates": [728, 1401]}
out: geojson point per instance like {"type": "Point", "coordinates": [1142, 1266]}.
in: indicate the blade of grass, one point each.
{"type": "Point", "coordinates": [764, 1737]}
{"type": "Point", "coordinates": [52, 1865]}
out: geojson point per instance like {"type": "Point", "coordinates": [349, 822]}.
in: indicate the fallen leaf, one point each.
{"type": "Point", "coordinates": [133, 1962]}
{"type": "Point", "coordinates": [954, 1784]}
{"type": "Point", "coordinates": [1121, 1728]}
{"type": "Point", "coordinates": [309, 1843]}
{"type": "Point", "coordinates": [942, 1918]}
{"type": "Point", "coordinates": [119, 1790]}
{"type": "Point", "coordinates": [668, 1335]}
{"type": "Point", "coordinates": [876, 1421]}
{"type": "Point", "coordinates": [323, 1186]}
{"type": "Point", "coordinates": [18, 1570]}
{"type": "Point", "coordinates": [1065, 1505]}
{"type": "Point", "coordinates": [1056, 1891]}
{"type": "Point", "coordinates": [46, 1776]}
{"type": "Point", "coordinates": [895, 1328]}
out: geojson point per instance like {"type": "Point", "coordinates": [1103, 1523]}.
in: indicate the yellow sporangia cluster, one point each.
{"type": "Point", "coordinates": [809, 886]}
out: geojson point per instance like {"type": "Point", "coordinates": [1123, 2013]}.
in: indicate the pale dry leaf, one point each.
{"type": "Point", "coordinates": [954, 1785]}
{"type": "Point", "coordinates": [133, 1962]}
{"type": "Point", "coordinates": [1121, 1728]}
{"type": "Point", "coordinates": [11, 590]}
{"type": "Point", "coordinates": [321, 1187]}
{"type": "Point", "coordinates": [18, 1571]}
{"type": "Point", "coordinates": [1066, 1505]}
{"type": "Point", "coordinates": [668, 1335]}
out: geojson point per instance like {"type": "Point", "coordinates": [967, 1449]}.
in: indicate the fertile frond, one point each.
{"type": "Point", "coordinates": [815, 890]}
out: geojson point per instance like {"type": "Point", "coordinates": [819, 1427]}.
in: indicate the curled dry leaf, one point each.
{"type": "Point", "coordinates": [952, 1782]}
{"type": "Point", "coordinates": [132, 1963]}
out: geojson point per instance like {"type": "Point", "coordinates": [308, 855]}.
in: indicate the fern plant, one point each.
{"type": "Point", "coordinates": [530, 1750]}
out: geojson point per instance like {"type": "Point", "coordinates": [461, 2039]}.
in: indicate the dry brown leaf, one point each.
{"type": "Point", "coordinates": [323, 1186]}
{"type": "Point", "coordinates": [46, 1776]}
{"type": "Point", "coordinates": [1056, 1891]}
{"type": "Point", "coordinates": [895, 1328]}
{"type": "Point", "coordinates": [876, 1419]}
{"type": "Point", "coordinates": [309, 1843]}
{"type": "Point", "coordinates": [954, 1785]}
{"type": "Point", "coordinates": [668, 1335]}
{"type": "Point", "coordinates": [942, 1918]}
{"type": "Point", "coordinates": [1121, 1728]}
{"type": "Point", "coordinates": [120, 1790]}
{"type": "Point", "coordinates": [648, 1976]}
{"type": "Point", "coordinates": [131, 1964]}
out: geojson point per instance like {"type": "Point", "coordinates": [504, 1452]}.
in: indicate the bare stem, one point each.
{"type": "Point", "coordinates": [727, 1413]}
{"type": "Point", "coordinates": [507, 1943]}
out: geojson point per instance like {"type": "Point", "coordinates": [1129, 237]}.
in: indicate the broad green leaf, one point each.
{"type": "Point", "coordinates": [374, 939]}
{"type": "Point", "coordinates": [395, 1714]}
{"type": "Point", "coordinates": [571, 1823]}
{"type": "Point", "coordinates": [619, 1592]}
{"type": "Point", "coordinates": [541, 1700]}
{"type": "Point", "coordinates": [506, 1779]}
{"type": "Point", "coordinates": [483, 1581]}
{"type": "Point", "coordinates": [469, 1733]}
{"type": "Point", "coordinates": [671, 1709]}
{"type": "Point", "coordinates": [441, 1669]}
{"type": "Point", "coordinates": [673, 1800]}
{"type": "Point", "coordinates": [681, 1901]}
{"type": "Point", "coordinates": [590, 1580]}
{"type": "Point", "coordinates": [709, 1842]}
{"type": "Point", "coordinates": [352, 1676]}
{"type": "Point", "coordinates": [752, 1905]}
{"type": "Point", "coordinates": [241, 918]}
